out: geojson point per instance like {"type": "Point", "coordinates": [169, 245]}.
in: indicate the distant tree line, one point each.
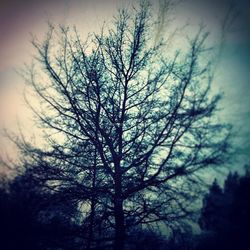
{"type": "Point", "coordinates": [225, 215]}
{"type": "Point", "coordinates": [34, 217]}
{"type": "Point", "coordinates": [224, 218]}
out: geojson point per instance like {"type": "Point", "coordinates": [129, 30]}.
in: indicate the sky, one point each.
{"type": "Point", "coordinates": [20, 18]}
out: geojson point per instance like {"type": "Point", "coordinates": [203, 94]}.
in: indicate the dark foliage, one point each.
{"type": "Point", "coordinates": [225, 216]}
{"type": "Point", "coordinates": [33, 218]}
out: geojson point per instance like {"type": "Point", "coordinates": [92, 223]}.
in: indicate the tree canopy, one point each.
{"type": "Point", "coordinates": [127, 126]}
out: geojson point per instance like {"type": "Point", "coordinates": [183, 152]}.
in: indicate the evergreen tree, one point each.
{"type": "Point", "coordinates": [231, 183]}
{"type": "Point", "coordinates": [213, 208]}
{"type": "Point", "coordinates": [226, 214]}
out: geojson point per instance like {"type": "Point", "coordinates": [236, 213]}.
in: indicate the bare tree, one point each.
{"type": "Point", "coordinates": [127, 128]}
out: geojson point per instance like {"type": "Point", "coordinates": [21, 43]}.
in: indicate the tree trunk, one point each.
{"type": "Point", "coordinates": [93, 206]}
{"type": "Point", "coordinates": [119, 225]}
{"type": "Point", "coordinates": [119, 213]}
{"type": "Point", "coordinates": [91, 225]}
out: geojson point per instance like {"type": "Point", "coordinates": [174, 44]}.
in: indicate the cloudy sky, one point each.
{"type": "Point", "coordinates": [20, 18]}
